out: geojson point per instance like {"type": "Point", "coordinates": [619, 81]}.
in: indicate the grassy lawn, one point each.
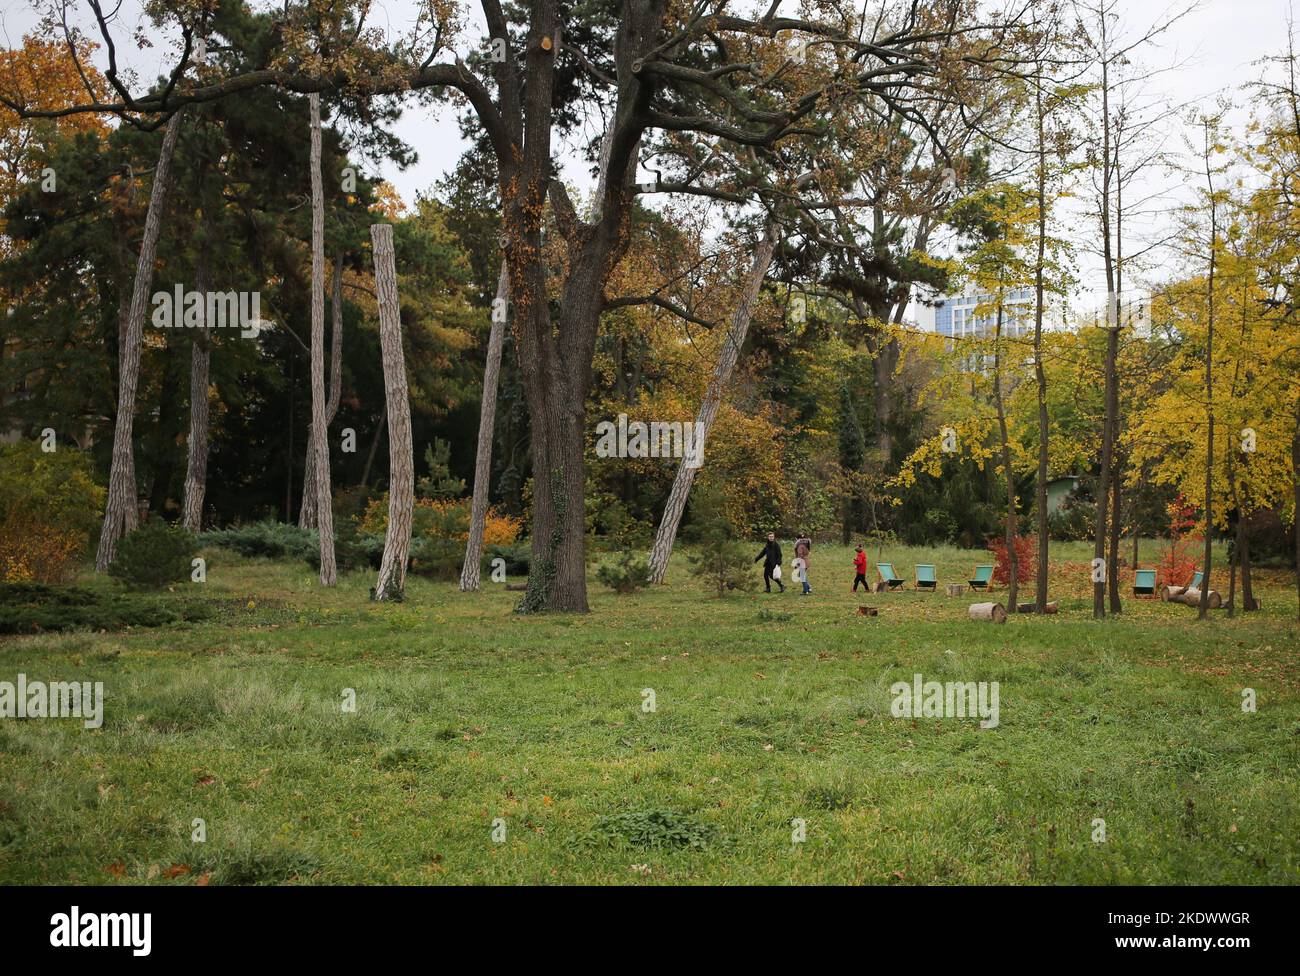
{"type": "Point", "coordinates": [768, 708]}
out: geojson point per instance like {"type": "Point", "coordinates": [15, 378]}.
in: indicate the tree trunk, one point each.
{"type": "Point", "coordinates": [120, 510]}
{"type": "Point", "coordinates": [307, 514]}
{"type": "Point", "coordinates": [1040, 375]}
{"type": "Point", "coordinates": [1209, 386]}
{"type": "Point", "coordinates": [196, 464]}
{"type": "Point", "coordinates": [401, 461]}
{"type": "Point", "coordinates": [728, 355]}
{"type": "Point", "coordinates": [1013, 582]}
{"type": "Point", "coordinates": [374, 445]}
{"type": "Point", "coordinates": [320, 445]}
{"type": "Point", "coordinates": [469, 572]}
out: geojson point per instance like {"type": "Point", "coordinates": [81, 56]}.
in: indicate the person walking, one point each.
{"type": "Point", "coordinates": [771, 556]}
{"type": "Point", "coordinates": [860, 569]}
{"type": "Point", "coordinates": [802, 549]}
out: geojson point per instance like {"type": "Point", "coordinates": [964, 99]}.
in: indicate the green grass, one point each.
{"type": "Point", "coordinates": [467, 713]}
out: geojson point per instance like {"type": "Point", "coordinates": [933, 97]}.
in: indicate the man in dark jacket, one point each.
{"type": "Point", "coordinates": [771, 556]}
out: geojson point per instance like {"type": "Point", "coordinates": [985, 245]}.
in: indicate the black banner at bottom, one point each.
{"type": "Point", "coordinates": [143, 926]}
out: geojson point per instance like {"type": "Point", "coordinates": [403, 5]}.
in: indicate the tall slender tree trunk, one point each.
{"type": "Point", "coordinates": [728, 355]}
{"type": "Point", "coordinates": [1203, 608]}
{"type": "Point", "coordinates": [1112, 334]}
{"type": "Point", "coordinates": [307, 514]}
{"type": "Point", "coordinates": [401, 461]}
{"type": "Point", "coordinates": [1040, 374]}
{"type": "Point", "coordinates": [1013, 583]}
{"type": "Point", "coordinates": [119, 513]}
{"type": "Point", "coordinates": [196, 464]}
{"type": "Point", "coordinates": [374, 445]}
{"type": "Point", "coordinates": [320, 445]}
{"type": "Point", "coordinates": [469, 572]}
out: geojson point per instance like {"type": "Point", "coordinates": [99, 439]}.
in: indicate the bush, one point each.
{"type": "Point", "coordinates": [518, 558]}
{"type": "Point", "coordinates": [352, 548]}
{"type": "Point", "coordinates": [627, 574]}
{"type": "Point", "coordinates": [722, 560]}
{"type": "Point", "coordinates": [49, 511]}
{"type": "Point", "coordinates": [1026, 559]}
{"type": "Point", "coordinates": [272, 540]}
{"type": "Point", "coordinates": [1074, 521]}
{"type": "Point", "coordinates": [154, 555]}
{"type": "Point", "coordinates": [439, 531]}
{"type": "Point", "coordinates": [32, 608]}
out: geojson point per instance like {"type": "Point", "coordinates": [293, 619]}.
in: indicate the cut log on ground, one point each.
{"type": "Point", "coordinates": [1168, 592]}
{"type": "Point", "coordinates": [1192, 598]}
{"type": "Point", "coordinates": [995, 612]}
{"type": "Point", "coordinates": [1031, 606]}
{"type": "Point", "coordinates": [956, 589]}
{"type": "Point", "coordinates": [868, 612]}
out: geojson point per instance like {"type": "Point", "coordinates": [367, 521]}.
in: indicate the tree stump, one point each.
{"type": "Point", "coordinates": [956, 589]}
{"type": "Point", "coordinates": [868, 612]}
{"type": "Point", "coordinates": [988, 611]}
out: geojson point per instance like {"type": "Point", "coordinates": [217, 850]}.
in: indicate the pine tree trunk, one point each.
{"type": "Point", "coordinates": [374, 445]}
{"type": "Point", "coordinates": [307, 513]}
{"type": "Point", "coordinates": [120, 511]}
{"type": "Point", "coordinates": [196, 465]}
{"type": "Point", "coordinates": [728, 355]}
{"type": "Point", "coordinates": [401, 462]}
{"type": "Point", "coordinates": [1203, 606]}
{"type": "Point", "coordinates": [320, 445]}
{"type": "Point", "coordinates": [469, 573]}
{"type": "Point", "coordinates": [1040, 374]}
{"type": "Point", "coordinates": [123, 327]}
{"type": "Point", "coordinates": [1013, 582]}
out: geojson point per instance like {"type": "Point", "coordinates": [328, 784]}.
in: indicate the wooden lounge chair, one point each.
{"type": "Point", "coordinates": [1144, 582]}
{"type": "Point", "coordinates": [925, 578]}
{"type": "Point", "coordinates": [888, 577]}
{"type": "Point", "coordinates": [983, 577]}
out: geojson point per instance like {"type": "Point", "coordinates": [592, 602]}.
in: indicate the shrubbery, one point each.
{"type": "Point", "coordinates": [722, 560]}
{"type": "Point", "coordinates": [154, 555]}
{"type": "Point", "coordinates": [273, 540]}
{"type": "Point", "coordinates": [1074, 521]}
{"type": "Point", "coordinates": [49, 512]}
{"type": "Point", "coordinates": [439, 530]}
{"type": "Point", "coordinates": [31, 608]}
{"type": "Point", "coordinates": [627, 574]}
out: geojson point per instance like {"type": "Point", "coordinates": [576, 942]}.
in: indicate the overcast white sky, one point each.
{"type": "Point", "coordinates": [1215, 48]}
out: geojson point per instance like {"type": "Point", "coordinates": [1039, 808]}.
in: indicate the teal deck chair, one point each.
{"type": "Point", "coordinates": [925, 578]}
{"type": "Point", "coordinates": [1195, 584]}
{"type": "Point", "coordinates": [887, 575]}
{"type": "Point", "coordinates": [983, 576]}
{"type": "Point", "coordinates": [1144, 582]}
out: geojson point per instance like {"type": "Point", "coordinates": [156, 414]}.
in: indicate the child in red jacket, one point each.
{"type": "Point", "coordinates": [860, 567]}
